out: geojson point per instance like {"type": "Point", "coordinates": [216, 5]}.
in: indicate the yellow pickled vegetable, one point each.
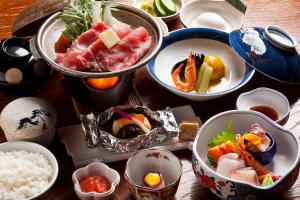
{"type": "Point", "coordinates": [148, 6]}
{"type": "Point", "coordinates": [218, 66]}
{"type": "Point", "coordinates": [152, 179]}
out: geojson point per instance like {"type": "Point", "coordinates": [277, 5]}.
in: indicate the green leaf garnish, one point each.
{"type": "Point", "coordinates": [211, 161]}
{"type": "Point", "coordinates": [77, 15]}
{"type": "Point", "coordinates": [224, 136]}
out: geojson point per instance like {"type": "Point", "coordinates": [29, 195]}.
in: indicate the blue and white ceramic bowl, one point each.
{"type": "Point", "coordinates": [285, 162]}
{"type": "Point", "coordinates": [261, 52]}
{"type": "Point", "coordinates": [201, 40]}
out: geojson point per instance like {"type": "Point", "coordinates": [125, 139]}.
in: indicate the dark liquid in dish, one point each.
{"type": "Point", "coordinates": [266, 110]}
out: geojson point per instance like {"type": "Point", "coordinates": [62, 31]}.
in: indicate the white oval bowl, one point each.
{"type": "Point", "coordinates": [33, 147]}
{"type": "Point", "coordinates": [95, 169]}
{"type": "Point", "coordinates": [233, 18]}
{"type": "Point", "coordinates": [168, 18]}
{"type": "Point", "coordinates": [285, 162]}
{"type": "Point", "coordinates": [265, 97]}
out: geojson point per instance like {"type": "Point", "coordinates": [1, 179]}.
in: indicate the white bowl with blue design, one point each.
{"type": "Point", "coordinates": [201, 40]}
{"type": "Point", "coordinates": [285, 162]}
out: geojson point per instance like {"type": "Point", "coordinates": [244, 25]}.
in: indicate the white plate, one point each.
{"type": "Point", "coordinates": [232, 18]}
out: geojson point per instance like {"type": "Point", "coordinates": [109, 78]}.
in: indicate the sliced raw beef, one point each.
{"type": "Point", "coordinates": [87, 38]}
{"type": "Point", "coordinates": [127, 52]}
{"type": "Point", "coordinates": [70, 60]}
{"type": "Point", "coordinates": [87, 58]}
{"type": "Point", "coordinates": [88, 53]}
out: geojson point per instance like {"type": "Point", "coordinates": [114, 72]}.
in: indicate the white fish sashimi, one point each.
{"type": "Point", "coordinates": [229, 163]}
{"type": "Point", "coordinates": [247, 175]}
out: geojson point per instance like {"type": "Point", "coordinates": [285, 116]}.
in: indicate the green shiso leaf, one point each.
{"type": "Point", "coordinates": [224, 136]}
{"type": "Point", "coordinates": [211, 161]}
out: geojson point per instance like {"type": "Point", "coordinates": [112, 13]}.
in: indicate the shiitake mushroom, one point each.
{"type": "Point", "coordinates": [129, 131]}
{"type": "Point", "coordinates": [199, 62]}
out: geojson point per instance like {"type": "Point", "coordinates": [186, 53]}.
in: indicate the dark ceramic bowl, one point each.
{"type": "Point", "coordinates": [16, 50]}
{"type": "Point", "coordinates": [99, 99]}
{"type": "Point", "coordinates": [267, 156]}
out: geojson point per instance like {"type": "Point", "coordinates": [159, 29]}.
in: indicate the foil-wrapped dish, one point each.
{"type": "Point", "coordinates": [128, 128]}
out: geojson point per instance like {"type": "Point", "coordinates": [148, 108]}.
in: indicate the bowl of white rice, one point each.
{"type": "Point", "coordinates": [27, 170]}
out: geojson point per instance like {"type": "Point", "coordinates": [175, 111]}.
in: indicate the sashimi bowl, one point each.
{"type": "Point", "coordinates": [77, 57]}
{"type": "Point", "coordinates": [285, 164]}
{"type": "Point", "coordinates": [207, 46]}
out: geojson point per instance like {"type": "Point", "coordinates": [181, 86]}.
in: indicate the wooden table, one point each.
{"type": "Point", "coordinates": [280, 13]}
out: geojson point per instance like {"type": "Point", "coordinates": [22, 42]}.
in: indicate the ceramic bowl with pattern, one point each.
{"type": "Point", "coordinates": [29, 119]}
{"type": "Point", "coordinates": [265, 97]}
{"type": "Point", "coordinates": [285, 163]}
{"type": "Point", "coordinates": [158, 161]}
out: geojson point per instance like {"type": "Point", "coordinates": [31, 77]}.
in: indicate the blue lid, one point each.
{"type": "Point", "coordinates": [268, 53]}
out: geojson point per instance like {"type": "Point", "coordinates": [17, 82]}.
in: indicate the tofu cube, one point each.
{"type": "Point", "coordinates": [109, 38]}
{"type": "Point", "coordinates": [188, 130]}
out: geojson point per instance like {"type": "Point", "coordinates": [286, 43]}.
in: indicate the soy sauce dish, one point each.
{"type": "Point", "coordinates": [282, 171]}
{"type": "Point", "coordinates": [210, 43]}
{"type": "Point", "coordinates": [267, 101]}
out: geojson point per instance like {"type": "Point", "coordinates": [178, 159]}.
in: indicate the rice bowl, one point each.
{"type": "Point", "coordinates": [27, 170]}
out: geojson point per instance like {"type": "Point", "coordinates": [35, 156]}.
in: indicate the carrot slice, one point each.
{"type": "Point", "coordinates": [215, 152]}
{"type": "Point", "coordinates": [62, 44]}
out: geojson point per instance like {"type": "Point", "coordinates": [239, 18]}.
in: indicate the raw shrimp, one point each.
{"type": "Point", "coordinates": [189, 75]}
{"type": "Point", "coordinates": [252, 162]}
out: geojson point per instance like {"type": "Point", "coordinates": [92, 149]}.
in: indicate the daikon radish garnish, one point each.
{"type": "Point", "coordinates": [205, 80]}
{"type": "Point", "coordinates": [200, 75]}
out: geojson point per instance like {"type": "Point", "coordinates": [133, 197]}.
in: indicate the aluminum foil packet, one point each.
{"type": "Point", "coordinates": [97, 129]}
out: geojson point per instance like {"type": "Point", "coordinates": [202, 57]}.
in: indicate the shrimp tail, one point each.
{"type": "Point", "coordinates": [252, 162]}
